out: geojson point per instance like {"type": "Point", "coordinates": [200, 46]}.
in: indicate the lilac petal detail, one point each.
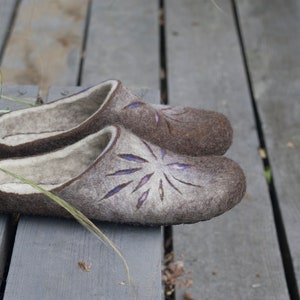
{"type": "Point", "coordinates": [171, 184]}
{"type": "Point", "coordinates": [156, 117]}
{"type": "Point", "coordinates": [161, 190]}
{"type": "Point", "coordinates": [178, 166]}
{"type": "Point", "coordinates": [115, 190]}
{"type": "Point", "coordinates": [132, 157]}
{"type": "Point", "coordinates": [187, 183]}
{"type": "Point", "coordinates": [142, 199]}
{"type": "Point", "coordinates": [124, 172]}
{"type": "Point", "coordinates": [143, 181]}
{"type": "Point", "coordinates": [163, 153]}
{"type": "Point", "coordinates": [134, 105]}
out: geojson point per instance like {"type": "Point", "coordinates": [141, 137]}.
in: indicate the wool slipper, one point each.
{"type": "Point", "coordinates": [113, 175]}
{"type": "Point", "coordinates": [51, 126]}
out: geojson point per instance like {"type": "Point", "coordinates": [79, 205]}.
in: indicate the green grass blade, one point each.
{"type": "Point", "coordinates": [80, 217]}
{"type": "Point", "coordinates": [4, 111]}
{"type": "Point", "coordinates": [11, 98]}
{"type": "Point", "coordinates": [268, 174]}
{"type": "Point", "coordinates": [17, 100]}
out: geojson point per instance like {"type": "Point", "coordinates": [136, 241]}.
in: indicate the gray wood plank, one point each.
{"type": "Point", "coordinates": [46, 257]}
{"type": "Point", "coordinates": [123, 43]}
{"type": "Point", "coordinates": [271, 31]}
{"type": "Point", "coordinates": [46, 253]}
{"type": "Point", "coordinates": [24, 93]}
{"type": "Point", "coordinates": [6, 11]}
{"type": "Point", "coordinates": [4, 238]}
{"type": "Point", "coordinates": [16, 92]}
{"type": "Point", "coordinates": [236, 255]}
{"type": "Point", "coordinates": [45, 45]}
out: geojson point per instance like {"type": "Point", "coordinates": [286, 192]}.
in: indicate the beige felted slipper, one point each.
{"type": "Point", "coordinates": [51, 126]}
{"type": "Point", "coordinates": [114, 175]}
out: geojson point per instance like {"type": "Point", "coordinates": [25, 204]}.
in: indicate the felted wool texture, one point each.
{"type": "Point", "coordinates": [182, 130]}
{"type": "Point", "coordinates": [51, 119]}
{"type": "Point", "coordinates": [53, 169]}
{"type": "Point", "coordinates": [131, 181]}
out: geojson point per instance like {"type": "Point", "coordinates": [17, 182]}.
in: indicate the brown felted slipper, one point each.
{"type": "Point", "coordinates": [51, 126]}
{"type": "Point", "coordinates": [113, 175]}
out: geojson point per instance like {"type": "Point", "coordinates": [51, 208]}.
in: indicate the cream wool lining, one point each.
{"type": "Point", "coordinates": [54, 169]}
{"type": "Point", "coordinates": [47, 120]}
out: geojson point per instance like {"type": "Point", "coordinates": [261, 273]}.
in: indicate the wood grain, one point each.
{"type": "Point", "coordinates": [26, 93]}
{"type": "Point", "coordinates": [47, 254]}
{"type": "Point", "coordinates": [4, 238]}
{"type": "Point", "coordinates": [271, 33]}
{"type": "Point", "coordinates": [123, 43]}
{"type": "Point", "coordinates": [236, 255]}
{"type": "Point", "coordinates": [6, 12]}
{"type": "Point", "coordinates": [45, 45]}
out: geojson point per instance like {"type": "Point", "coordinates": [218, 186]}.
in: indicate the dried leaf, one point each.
{"type": "Point", "coordinates": [187, 296]}
{"type": "Point", "coordinates": [290, 145]}
{"type": "Point", "coordinates": [262, 153]}
{"type": "Point", "coordinates": [84, 267]}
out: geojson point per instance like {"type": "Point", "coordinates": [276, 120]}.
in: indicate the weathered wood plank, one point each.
{"type": "Point", "coordinates": [47, 251]}
{"type": "Point", "coordinates": [45, 45]}
{"type": "Point", "coordinates": [46, 257]}
{"type": "Point", "coordinates": [6, 12]}
{"type": "Point", "coordinates": [146, 279]}
{"type": "Point", "coordinates": [4, 237]}
{"type": "Point", "coordinates": [123, 43]}
{"type": "Point", "coordinates": [23, 93]}
{"type": "Point", "coordinates": [235, 256]}
{"type": "Point", "coordinates": [271, 31]}
{"type": "Point", "coordinates": [16, 93]}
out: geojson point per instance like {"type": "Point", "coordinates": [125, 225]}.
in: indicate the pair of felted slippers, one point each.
{"type": "Point", "coordinates": [118, 159]}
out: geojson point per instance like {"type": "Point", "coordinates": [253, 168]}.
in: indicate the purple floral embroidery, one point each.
{"type": "Point", "coordinates": [187, 183]}
{"type": "Point", "coordinates": [156, 117]}
{"type": "Point", "coordinates": [149, 149]}
{"type": "Point", "coordinates": [163, 153]}
{"type": "Point", "coordinates": [143, 181]}
{"type": "Point", "coordinates": [115, 190]}
{"type": "Point", "coordinates": [141, 186]}
{"type": "Point", "coordinates": [168, 114]}
{"type": "Point", "coordinates": [178, 166]}
{"type": "Point", "coordinates": [142, 199]}
{"type": "Point", "coordinates": [161, 190]}
{"type": "Point", "coordinates": [124, 172]}
{"type": "Point", "coordinates": [134, 105]}
{"type": "Point", "coordinates": [134, 158]}
{"type": "Point", "coordinates": [171, 184]}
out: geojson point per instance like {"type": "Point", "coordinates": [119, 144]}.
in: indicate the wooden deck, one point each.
{"type": "Point", "coordinates": [238, 57]}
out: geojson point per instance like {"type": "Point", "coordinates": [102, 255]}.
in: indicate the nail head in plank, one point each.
{"type": "Point", "coordinates": [236, 255]}
{"type": "Point", "coordinates": [11, 97]}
